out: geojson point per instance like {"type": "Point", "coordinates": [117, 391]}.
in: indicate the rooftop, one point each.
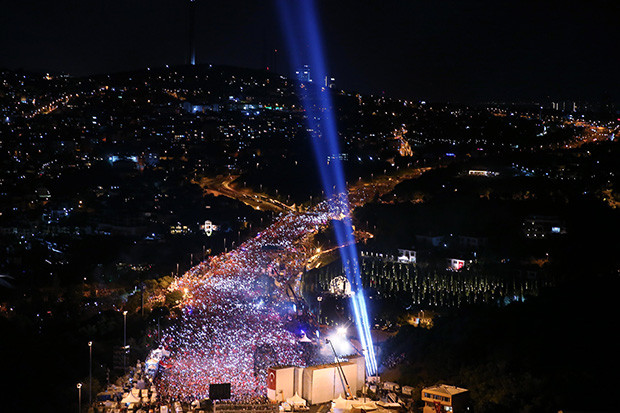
{"type": "Point", "coordinates": [445, 389]}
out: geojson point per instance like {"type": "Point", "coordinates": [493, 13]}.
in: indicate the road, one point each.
{"type": "Point", "coordinates": [221, 186]}
{"type": "Point", "coordinates": [360, 192]}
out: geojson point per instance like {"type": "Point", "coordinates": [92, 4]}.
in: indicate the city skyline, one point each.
{"type": "Point", "coordinates": [451, 51]}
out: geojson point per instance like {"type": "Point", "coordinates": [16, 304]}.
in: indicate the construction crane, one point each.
{"type": "Point", "coordinates": [343, 378]}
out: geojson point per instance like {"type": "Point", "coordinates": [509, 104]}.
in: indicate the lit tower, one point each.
{"type": "Point", "coordinates": [303, 74]}
{"type": "Point", "coordinates": [192, 45]}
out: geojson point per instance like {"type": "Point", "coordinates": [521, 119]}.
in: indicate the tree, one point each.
{"type": "Point", "coordinates": [173, 298]}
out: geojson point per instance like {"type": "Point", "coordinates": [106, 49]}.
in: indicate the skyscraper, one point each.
{"type": "Point", "coordinates": [330, 82]}
{"type": "Point", "coordinates": [303, 74]}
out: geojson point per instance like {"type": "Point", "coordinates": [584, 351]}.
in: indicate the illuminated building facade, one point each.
{"type": "Point", "coordinates": [445, 398]}
{"type": "Point", "coordinates": [303, 75]}
{"type": "Point", "coordinates": [540, 227]}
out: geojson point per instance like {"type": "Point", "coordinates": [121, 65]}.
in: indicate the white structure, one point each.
{"type": "Point", "coordinates": [455, 264]}
{"type": "Point", "coordinates": [406, 256]}
{"type": "Point", "coordinates": [315, 384]}
{"type": "Point", "coordinates": [296, 401]}
{"type": "Point", "coordinates": [281, 383]}
{"type": "Point", "coordinates": [341, 405]}
{"type": "Point", "coordinates": [483, 172]}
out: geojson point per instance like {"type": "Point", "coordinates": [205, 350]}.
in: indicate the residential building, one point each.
{"type": "Point", "coordinates": [445, 398]}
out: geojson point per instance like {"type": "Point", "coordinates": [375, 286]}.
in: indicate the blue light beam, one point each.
{"type": "Point", "coordinates": [300, 23]}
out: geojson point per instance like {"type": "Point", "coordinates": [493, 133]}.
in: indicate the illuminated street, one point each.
{"type": "Point", "coordinates": [232, 327]}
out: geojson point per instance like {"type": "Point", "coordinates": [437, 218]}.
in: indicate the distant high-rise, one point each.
{"type": "Point", "coordinates": [192, 45]}
{"type": "Point", "coordinates": [330, 82]}
{"type": "Point", "coordinates": [303, 74]}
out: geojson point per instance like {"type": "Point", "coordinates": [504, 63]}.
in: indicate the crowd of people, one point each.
{"type": "Point", "coordinates": [232, 328]}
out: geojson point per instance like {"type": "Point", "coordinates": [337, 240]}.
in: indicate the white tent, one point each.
{"type": "Point", "coordinates": [364, 407]}
{"type": "Point", "coordinates": [389, 405]}
{"type": "Point", "coordinates": [296, 401]}
{"type": "Point", "coordinates": [341, 405]}
{"type": "Point", "coordinates": [130, 398]}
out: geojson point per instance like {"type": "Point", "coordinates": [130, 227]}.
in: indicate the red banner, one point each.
{"type": "Point", "coordinates": [271, 379]}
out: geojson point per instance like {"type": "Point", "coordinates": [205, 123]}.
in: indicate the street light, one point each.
{"type": "Point", "coordinates": [79, 387]}
{"type": "Point", "coordinates": [124, 328]}
{"type": "Point", "coordinates": [124, 338]}
{"type": "Point", "coordinates": [90, 373]}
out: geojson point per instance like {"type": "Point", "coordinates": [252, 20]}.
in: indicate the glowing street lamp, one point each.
{"type": "Point", "coordinates": [90, 373]}
{"type": "Point", "coordinates": [79, 387]}
{"type": "Point", "coordinates": [124, 338]}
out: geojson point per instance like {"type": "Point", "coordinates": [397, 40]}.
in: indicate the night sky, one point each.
{"type": "Point", "coordinates": [421, 49]}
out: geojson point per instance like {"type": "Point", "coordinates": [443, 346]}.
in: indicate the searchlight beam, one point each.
{"type": "Point", "coordinates": [300, 24]}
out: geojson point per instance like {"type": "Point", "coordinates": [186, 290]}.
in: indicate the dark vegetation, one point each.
{"type": "Point", "coordinates": [550, 353]}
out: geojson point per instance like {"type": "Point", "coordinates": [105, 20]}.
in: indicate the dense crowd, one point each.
{"type": "Point", "coordinates": [232, 328]}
